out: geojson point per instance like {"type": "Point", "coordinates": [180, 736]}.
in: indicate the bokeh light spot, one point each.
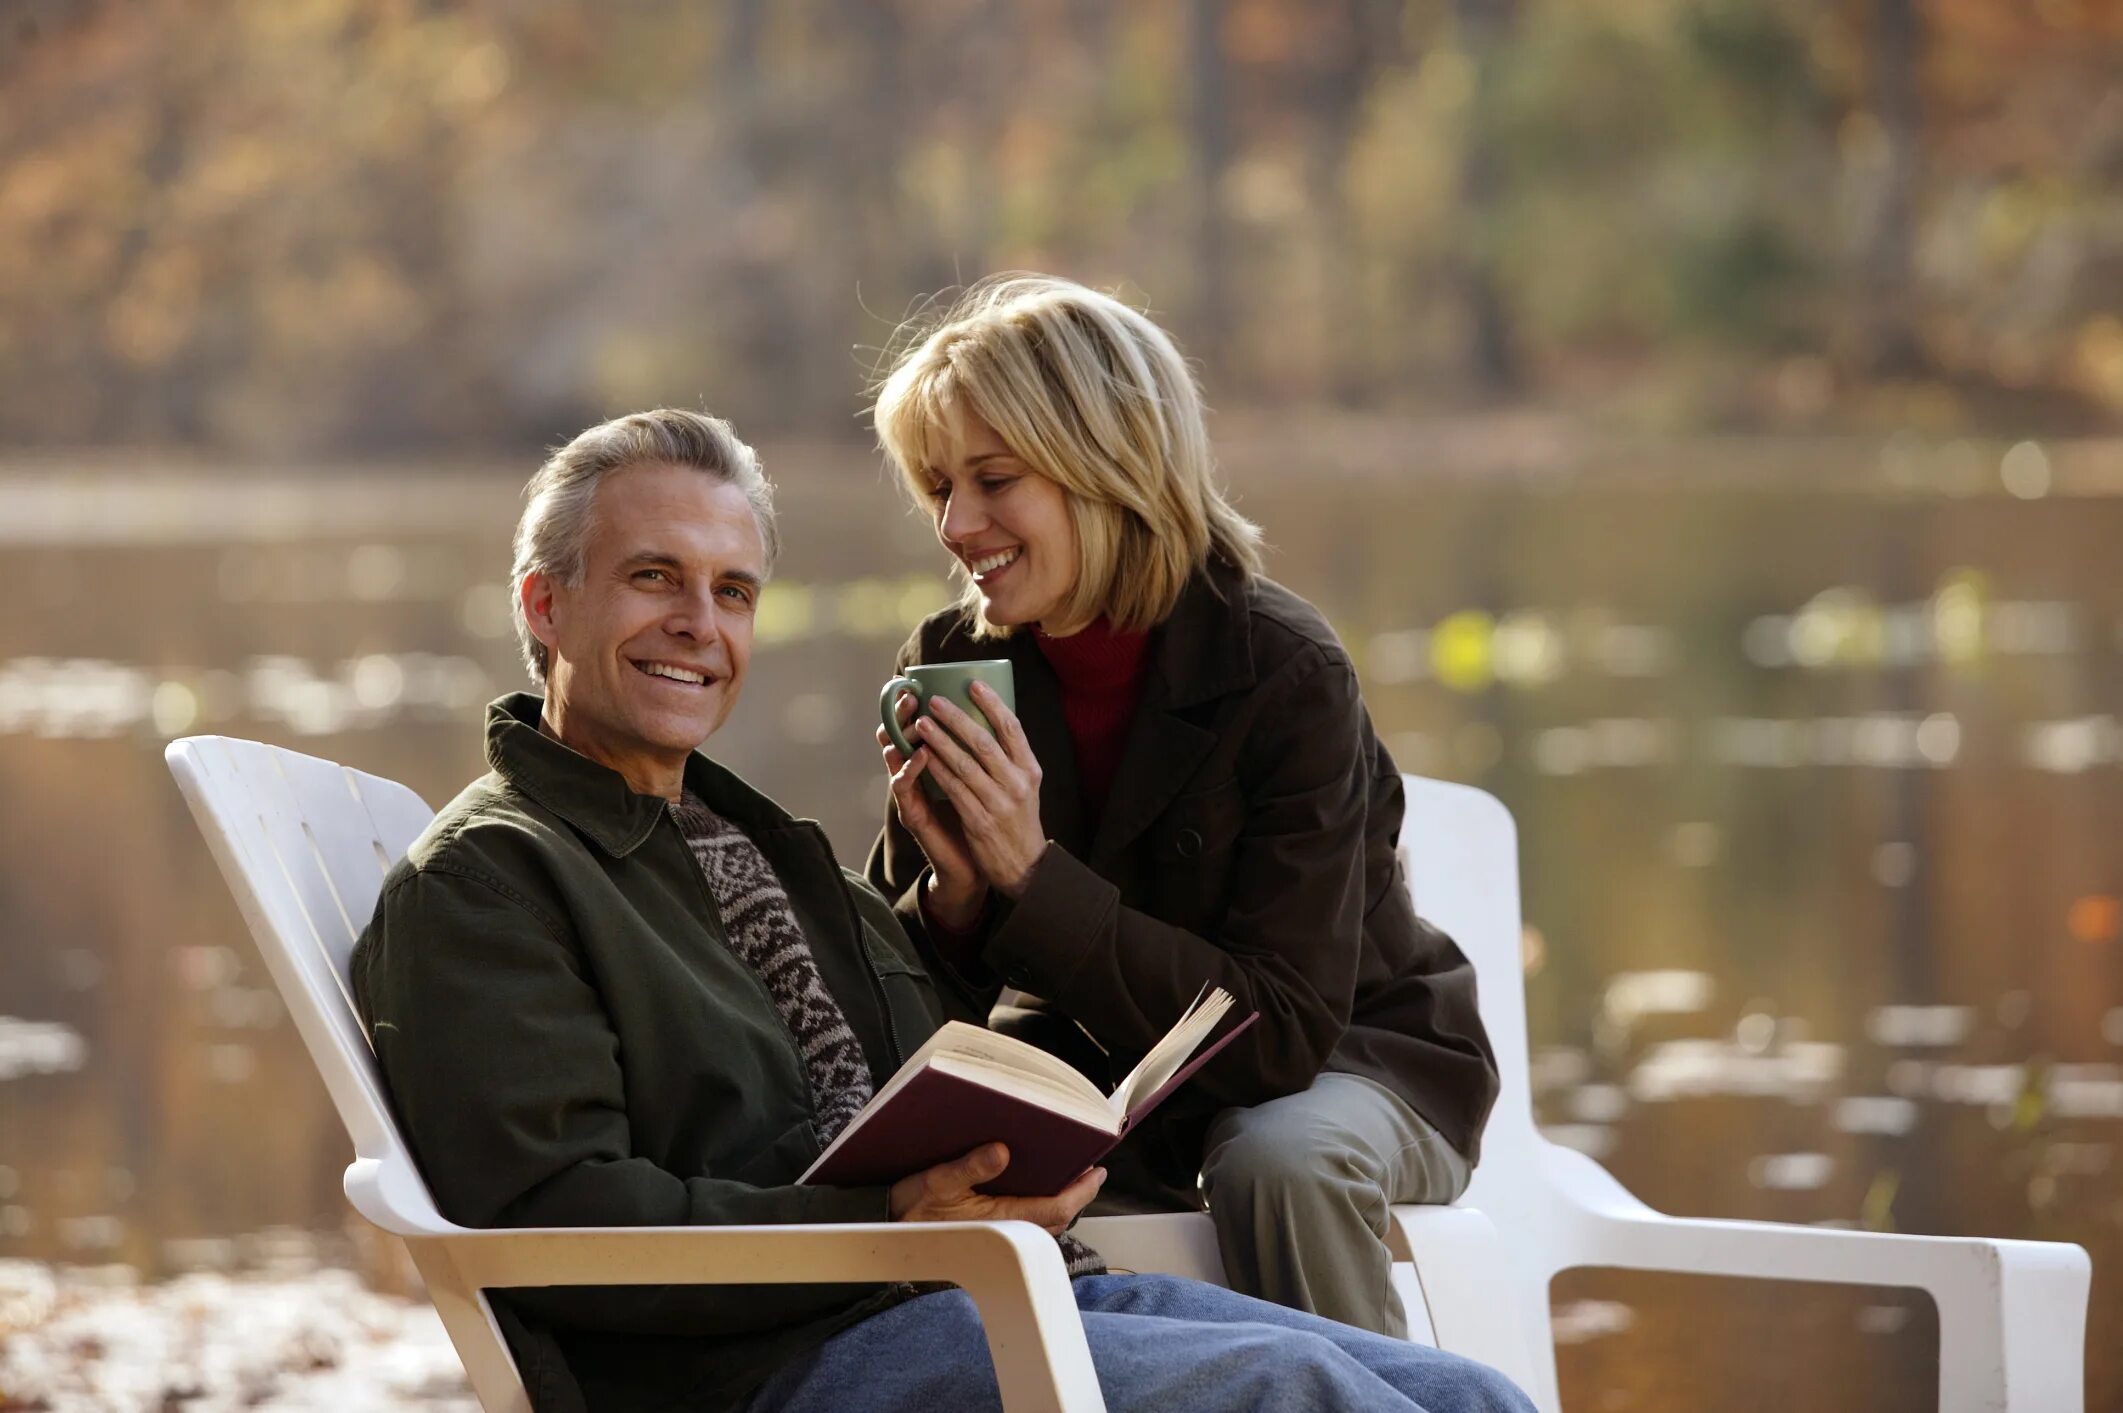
{"type": "Point", "coordinates": [2095, 918]}
{"type": "Point", "coordinates": [1461, 651]}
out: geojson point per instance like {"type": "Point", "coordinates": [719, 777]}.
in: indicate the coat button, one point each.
{"type": "Point", "coordinates": [1189, 843]}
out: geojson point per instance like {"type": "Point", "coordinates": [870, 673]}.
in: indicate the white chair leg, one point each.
{"type": "Point", "coordinates": [472, 1329]}
{"type": "Point", "coordinates": [2016, 1343]}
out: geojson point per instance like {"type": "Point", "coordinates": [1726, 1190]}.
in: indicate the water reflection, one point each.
{"type": "Point", "coordinates": [1842, 627]}
{"type": "Point", "coordinates": [1816, 795]}
{"type": "Point", "coordinates": [39, 1047]}
{"type": "Point", "coordinates": [1581, 1320]}
{"type": "Point", "coordinates": [2073, 747]}
{"type": "Point", "coordinates": [1875, 1114]}
{"type": "Point", "coordinates": [1692, 1069]}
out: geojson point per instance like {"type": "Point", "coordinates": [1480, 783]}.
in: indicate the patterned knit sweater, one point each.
{"type": "Point", "coordinates": [763, 932]}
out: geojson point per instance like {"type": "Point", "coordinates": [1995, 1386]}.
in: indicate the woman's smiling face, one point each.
{"type": "Point", "coordinates": [1007, 524]}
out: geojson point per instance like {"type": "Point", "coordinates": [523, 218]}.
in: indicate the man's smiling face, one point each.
{"type": "Point", "coordinates": [648, 653]}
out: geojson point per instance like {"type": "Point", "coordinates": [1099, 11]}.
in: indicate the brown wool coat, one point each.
{"type": "Point", "coordinates": [1249, 841]}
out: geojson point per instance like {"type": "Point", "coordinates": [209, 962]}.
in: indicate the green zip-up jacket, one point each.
{"type": "Point", "coordinates": [569, 1042]}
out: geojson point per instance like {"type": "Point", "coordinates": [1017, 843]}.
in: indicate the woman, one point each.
{"type": "Point", "coordinates": [1190, 792]}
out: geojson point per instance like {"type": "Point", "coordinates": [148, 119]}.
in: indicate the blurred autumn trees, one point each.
{"type": "Point", "coordinates": [304, 227]}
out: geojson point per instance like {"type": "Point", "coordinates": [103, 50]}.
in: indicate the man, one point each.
{"type": "Point", "coordinates": [611, 984]}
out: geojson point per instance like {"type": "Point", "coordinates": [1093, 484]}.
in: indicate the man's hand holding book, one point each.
{"type": "Point", "coordinates": [945, 1193]}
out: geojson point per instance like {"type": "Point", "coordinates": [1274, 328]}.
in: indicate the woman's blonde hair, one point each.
{"type": "Point", "coordinates": [1094, 396]}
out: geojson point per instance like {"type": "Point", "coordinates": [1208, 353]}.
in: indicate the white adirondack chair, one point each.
{"type": "Point", "coordinates": [304, 843]}
{"type": "Point", "coordinates": [2012, 1314]}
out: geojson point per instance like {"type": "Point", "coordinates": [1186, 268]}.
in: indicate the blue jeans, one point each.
{"type": "Point", "coordinates": [1161, 1345]}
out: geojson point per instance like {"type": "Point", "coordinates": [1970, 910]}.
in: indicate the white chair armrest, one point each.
{"type": "Point", "coordinates": [1012, 1270]}
{"type": "Point", "coordinates": [2012, 1314]}
{"type": "Point", "coordinates": [1164, 1243]}
{"type": "Point", "coordinates": [969, 1253]}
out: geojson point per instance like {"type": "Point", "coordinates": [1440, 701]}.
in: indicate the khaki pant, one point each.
{"type": "Point", "coordinates": [1298, 1188]}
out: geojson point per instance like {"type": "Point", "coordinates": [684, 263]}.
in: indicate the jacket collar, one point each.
{"type": "Point", "coordinates": [596, 799]}
{"type": "Point", "coordinates": [1203, 650]}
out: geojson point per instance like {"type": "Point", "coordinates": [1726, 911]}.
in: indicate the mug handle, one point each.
{"type": "Point", "coordinates": [888, 711]}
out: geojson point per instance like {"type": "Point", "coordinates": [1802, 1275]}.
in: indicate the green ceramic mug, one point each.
{"type": "Point", "coordinates": [953, 681]}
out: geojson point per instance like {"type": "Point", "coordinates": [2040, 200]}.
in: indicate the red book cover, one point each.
{"type": "Point", "coordinates": [938, 1116]}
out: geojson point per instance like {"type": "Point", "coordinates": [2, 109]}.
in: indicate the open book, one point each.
{"type": "Point", "coordinates": [968, 1086]}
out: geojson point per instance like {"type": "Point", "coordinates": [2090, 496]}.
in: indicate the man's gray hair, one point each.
{"type": "Point", "coordinates": [553, 536]}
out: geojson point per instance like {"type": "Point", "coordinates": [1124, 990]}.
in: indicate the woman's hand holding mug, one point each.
{"type": "Point", "coordinates": [992, 782]}
{"type": "Point", "coordinates": [957, 894]}
{"type": "Point", "coordinates": [990, 834]}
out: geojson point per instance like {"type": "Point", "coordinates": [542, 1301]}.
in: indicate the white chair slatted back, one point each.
{"type": "Point", "coordinates": [1461, 847]}
{"type": "Point", "coordinates": [1461, 850]}
{"type": "Point", "coordinates": [304, 845]}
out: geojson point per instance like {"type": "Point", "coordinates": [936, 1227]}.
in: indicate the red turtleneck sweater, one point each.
{"type": "Point", "coordinates": [1101, 674]}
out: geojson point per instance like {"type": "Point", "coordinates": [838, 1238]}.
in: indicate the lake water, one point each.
{"type": "Point", "coordinates": [1815, 752]}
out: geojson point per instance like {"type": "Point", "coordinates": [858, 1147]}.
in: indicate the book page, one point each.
{"type": "Point", "coordinates": [1073, 1101]}
{"type": "Point", "coordinates": [1170, 1054]}
{"type": "Point", "coordinates": [986, 1050]}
